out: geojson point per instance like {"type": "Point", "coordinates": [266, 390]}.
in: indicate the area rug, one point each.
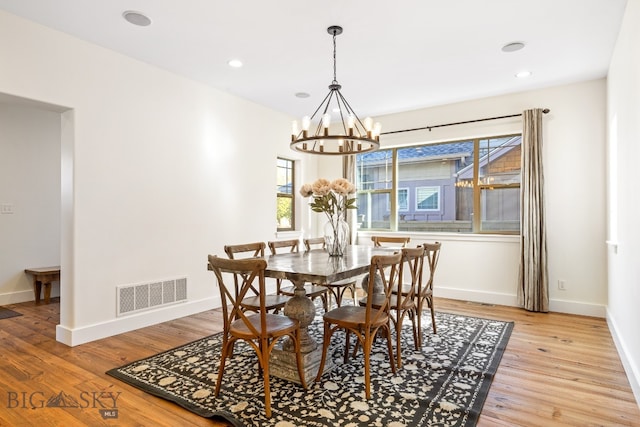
{"type": "Point", "coordinates": [443, 384]}
{"type": "Point", "coordinates": [6, 313]}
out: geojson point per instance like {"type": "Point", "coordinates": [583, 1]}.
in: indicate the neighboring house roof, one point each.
{"type": "Point", "coordinates": [423, 152]}
{"type": "Point", "coordinates": [495, 154]}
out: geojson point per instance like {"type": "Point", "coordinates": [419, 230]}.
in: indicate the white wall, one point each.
{"type": "Point", "coordinates": [623, 203]}
{"type": "Point", "coordinates": [157, 172]}
{"type": "Point", "coordinates": [30, 185]}
{"type": "Point", "coordinates": [485, 268]}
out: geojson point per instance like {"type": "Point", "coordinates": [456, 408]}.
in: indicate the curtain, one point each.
{"type": "Point", "coordinates": [349, 173]}
{"type": "Point", "coordinates": [533, 280]}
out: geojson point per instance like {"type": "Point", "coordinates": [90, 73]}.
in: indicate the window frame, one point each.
{"type": "Point", "coordinates": [291, 195]}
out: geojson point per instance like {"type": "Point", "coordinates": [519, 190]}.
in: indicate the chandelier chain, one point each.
{"type": "Point", "coordinates": [335, 80]}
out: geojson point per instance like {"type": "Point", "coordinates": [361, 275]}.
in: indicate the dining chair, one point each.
{"type": "Point", "coordinates": [273, 302]}
{"type": "Point", "coordinates": [261, 330]}
{"type": "Point", "coordinates": [365, 321]}
{"type": "Point", "coordinates": [403, 303]}
{"type": "Point", "coordinates": [313, 291]}
{"type": "Point", "coordinates": [395, 241]}
{"type": "Point", "coordinates": [337, 289]}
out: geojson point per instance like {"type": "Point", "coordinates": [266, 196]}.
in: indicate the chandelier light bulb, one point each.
{"type": "Point", "coordinates": [368, 122]}
{"type": "Point", "coordinates": [350, 121]}
{"type": "Point", "coordinates": [306, 122]}
{"type": "Point", "coordinates": [294, 128]}
{"type": "Point", "coordinates": [326, 120]}
{"type": "Point", "coordinates": [377, 127]}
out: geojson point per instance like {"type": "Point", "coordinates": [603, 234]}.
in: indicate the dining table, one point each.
{"type": "Point", "coordinates": [317, 267]}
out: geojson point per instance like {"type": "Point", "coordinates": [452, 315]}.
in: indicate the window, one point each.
{"type": "Point", "coordinates": [403, 199]}
{"type": "Point", "coordinates": [428, 198]}
{"type": "Point", "coordinates": [285, 195]}
{"type": "Point", "coordinates": [461, 186]}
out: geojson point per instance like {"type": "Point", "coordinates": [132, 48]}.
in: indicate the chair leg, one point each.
{"type": "Point", "coordinates": [223, 357]}
{"type": "Point", "coordinates": [419, 315]}
{"type": "Point", "coordinates": [366, 349]}
{"type": "Point", "coordinates": [416, 339]}
{"type": "Point", "coordinates": [398, 325]}
{"type": "Point", "coordinates": [433, 315]}
{"type": "Point", "coordinates": [387, 329]}
{"type": "Point", "coordinates": [265, 375]}
{"type": "Point", "coordinates": [325, 344]}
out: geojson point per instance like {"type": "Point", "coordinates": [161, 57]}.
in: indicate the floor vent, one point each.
{"type": "Point", "coordinates": [134, 298]}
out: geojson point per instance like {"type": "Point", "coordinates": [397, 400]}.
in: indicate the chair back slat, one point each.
{"type": "Point", "coordinates": [411, 271]}
{"type": "Point", "coordinates": [251, 270]}
{"type": "Point", "coordinates": [387, 267]}
{"type": "Point", "coordinates": [432, 255]}
{"type": "Point", "coordinates": [243, 251]}
{"type": "Point", "coordinates": [314, 242]}
{"type": "Point", "coordinates": [401, 241]}
{"type": "Point", "coordinates": [291, 244]}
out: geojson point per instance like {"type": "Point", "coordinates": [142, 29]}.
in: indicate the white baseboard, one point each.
{"type": "Point", "coordinates": [77, 336]}
{"type": "Point", "coordinates": [630, 368]}
{"type": "Point", "coordinates": [476, 296]}
{"type": "Point", "coordinates": [558, 306]}
{"type": "Point", "coordinates": [26, 295]}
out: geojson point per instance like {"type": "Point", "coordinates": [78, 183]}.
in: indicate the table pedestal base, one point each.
{"type": "Point", "coordinates": [282, 364]}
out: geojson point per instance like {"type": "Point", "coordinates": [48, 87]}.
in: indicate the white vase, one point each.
{"type": "Point", "coordinates": [336, 236]}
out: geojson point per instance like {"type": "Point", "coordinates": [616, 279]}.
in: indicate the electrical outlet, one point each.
{"type": "Point", "coordinates": [562, 285]}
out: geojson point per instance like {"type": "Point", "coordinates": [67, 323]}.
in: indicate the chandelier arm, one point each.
{"type": "Point", "coordinates": [360, 129]}
{"type": "Point", "coordinates": [320, 106]}
{"type": "Point", "coordinates": [340, 99]}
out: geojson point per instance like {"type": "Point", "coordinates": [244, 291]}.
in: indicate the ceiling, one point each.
{"type": "Point", "coordinates": [392, 57]}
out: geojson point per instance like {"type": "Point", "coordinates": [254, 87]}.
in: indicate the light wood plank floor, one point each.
{"type": "Point", "coordinates": [557, 370]}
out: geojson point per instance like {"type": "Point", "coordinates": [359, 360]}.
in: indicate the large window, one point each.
{"type": "Point", "coordinates": [285, 195]}
{"type": "Point", "coordinates": [462, 186]}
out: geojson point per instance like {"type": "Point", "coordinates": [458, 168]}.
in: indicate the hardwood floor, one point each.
{"type": "Point", "coordinates": [557, 370]}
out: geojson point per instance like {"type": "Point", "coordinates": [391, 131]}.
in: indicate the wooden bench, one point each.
{"type": "Point", "coordinates": [43, 276]}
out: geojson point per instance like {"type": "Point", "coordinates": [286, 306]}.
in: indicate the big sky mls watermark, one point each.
{"type": "Point", "coordinates": [105, 402]}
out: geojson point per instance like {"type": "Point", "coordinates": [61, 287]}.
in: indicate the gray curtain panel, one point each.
{"type": "Point", "coordinates": [533, 280]}
{"type": "Point", "coordinates": [349, 173]}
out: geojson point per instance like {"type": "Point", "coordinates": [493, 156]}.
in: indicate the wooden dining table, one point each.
{"type": "Point", "coordinates": [315, 266]}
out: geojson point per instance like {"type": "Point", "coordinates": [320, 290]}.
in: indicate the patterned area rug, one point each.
{"type": "Point", "coordinates": [443, 384]}
{"type": "Point", "coordinates": [6, 313]}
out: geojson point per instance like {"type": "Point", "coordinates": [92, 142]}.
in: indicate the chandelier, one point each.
{"type": "Point", "coordinates": [354, 136]}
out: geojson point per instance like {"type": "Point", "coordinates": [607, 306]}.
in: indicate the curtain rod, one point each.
{"type": "Point", "coordinates": [545, 111]}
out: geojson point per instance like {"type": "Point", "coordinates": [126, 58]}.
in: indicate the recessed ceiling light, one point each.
{"type": "Point", "coordinates": [136, 18]}
{"type": "Point", "coordinates": [523, 74]}
{"type": "Point", "coordinates": [512, 47]}
{"type": "Point", "coordinates": [235, 63]}
{"type": "Point", "coordinates": [302, 95]}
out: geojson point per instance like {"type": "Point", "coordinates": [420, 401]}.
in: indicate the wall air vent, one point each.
{"type": "Point", "coordinates": [144, 296]}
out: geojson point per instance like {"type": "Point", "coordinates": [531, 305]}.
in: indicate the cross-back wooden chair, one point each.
{"type": "Point", "coordinates": [395, 241]}
{"type": "Point", "coordinates": [273, 302]}
{"type": "Point", "coordinates": [365, 321]}
{"type": "Point", "coordinates": [337, 289]}
{"type": "Point", "coordinates": [260, 330]}
{"type": "Point", "coordinates": [313, 291]}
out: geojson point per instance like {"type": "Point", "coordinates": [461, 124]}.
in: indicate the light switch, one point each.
{"type": "Point", "coordinates": [6, 208]}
